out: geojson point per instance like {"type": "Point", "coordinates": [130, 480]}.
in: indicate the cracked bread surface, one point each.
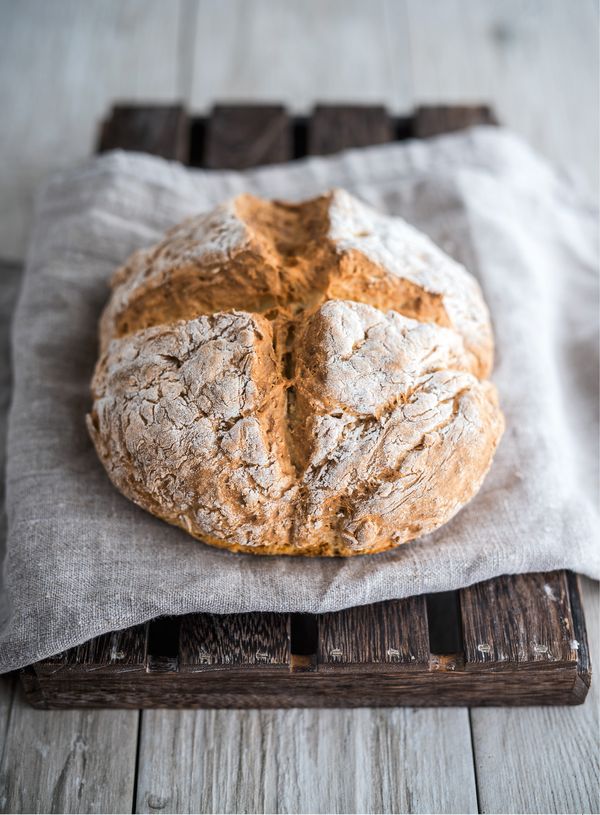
{"type": "Point", "coordinates": [302, 378]}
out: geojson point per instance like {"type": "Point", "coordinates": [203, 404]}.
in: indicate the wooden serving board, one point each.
{"type": "Point", "coordinates": [514, 640]}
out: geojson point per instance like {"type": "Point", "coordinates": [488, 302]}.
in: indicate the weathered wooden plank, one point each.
{"type": "Point", "coordinates": [119, 651]}
{"type": "Point", "coordinates": [224, 662]}
{"type": "Point", "coordinates": [338, 127]}
{"type": "Point", "coordinates": [298, 53]}
{"type": "Point", "coordinates": [536, 63]}
{"type": "Point", "coordinates": [241, 136]}
{"type": "Point", "coordinates": [161, 130]}
{"type": "Point", "coordinates": [68, 761]}
{"type": "Point", "coordinates": [432, 120]}
{"type": "Point", "coordinates": [374, 636]}
{"type": "Point", "coordinates": [580, 634]}
{"type": "Point", "coordinates": [306, 761]}
{"type": "Point", "coordinates": [62, 65]}
{"type": "Point", "coordinates": [518, 620]}
{"type": "Point", "coordinates": [212, 642]}
{"type": "Point", "coordinates": [502, 53]}
{"type": "Point", "coordinates": [446, 684]}
{"type": "Point", "coordinates": [542, 759]}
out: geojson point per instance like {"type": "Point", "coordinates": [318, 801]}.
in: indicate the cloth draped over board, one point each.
{"type": "Point", "coordinates": [81, 560]}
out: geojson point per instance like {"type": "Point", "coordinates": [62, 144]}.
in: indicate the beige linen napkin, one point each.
{"type": "Point", "coordinates": [82, 560]}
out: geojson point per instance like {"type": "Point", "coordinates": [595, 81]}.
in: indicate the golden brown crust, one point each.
{"type": "Point", "coordinates": [296, 379]}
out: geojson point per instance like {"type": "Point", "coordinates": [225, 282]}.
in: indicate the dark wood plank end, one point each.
{"type": "Point", "coordinates": [434, 120]}
{"type": "Point", "coordinates": [161, 130]}
{"type": "Point", "coordinates": [242, 136]}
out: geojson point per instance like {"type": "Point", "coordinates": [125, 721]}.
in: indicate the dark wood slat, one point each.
{"type": "Point", "coordinates": [339, 127]}
{"type": "Point", "coordinates": [580, 639]}
{"type": "Point", "coordinates": [432, 120]}
{"type": "Point", "coordinates": [162, 130]}
{"type": "Point", "coordinates": [378, 635]}
{"type": "Point", "coordinates": [517, 621]}
{"type": "Point", "coordinates": [267, 687]}
{"type": "Point", "coordinates": [235, 683]}
{"type": "Point", "coordinates": [211, 642]}
{"type": "Point", "coordinates": [241, 136]}
{"type": "Point", "coordinates": [120, 651]}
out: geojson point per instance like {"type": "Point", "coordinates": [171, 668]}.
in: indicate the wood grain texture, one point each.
{"type": "Point", "coordinates": [364, 656]}
{"type": "Point", "coordinates": [158, 130]}
{"type": "Point", "coordinates": [535, 62]}
{"type": "Point", "coordinates": [210, 642]}
{"type": "Point", "coordinates": [238, 137]}
{"type": "Point", "coordinates": [339, 127]}
{"type": "Point", "coordinates": [296, 54]}
{"type": "Point", "coordinates": [68, 761]}
{"type": "Point", "coordinates": [518, 620]}
{"type": "Point", "coordinates": [542, 759]}
{"type": "Point", "coordinates": [432, 120]}
{"type": "Point", "coordinates": [378, 635]}
{"type": "Point", "coordinates": [305, 761]}
{"type": "Point", "coordinates": [447, 684]}
{"type": "Point", "coordinates": [115, 652]}
{"type": "Point", "coordinates": [62, 65]}
{"type": "Point", "coordinates": [580, 628]}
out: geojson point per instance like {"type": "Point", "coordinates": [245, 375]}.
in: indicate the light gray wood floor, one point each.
{"type": "Point", "coordinates": [62, 63]}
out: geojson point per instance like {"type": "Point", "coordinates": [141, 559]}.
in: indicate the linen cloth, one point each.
{"type": "Point", "coordinates": [83, 560]}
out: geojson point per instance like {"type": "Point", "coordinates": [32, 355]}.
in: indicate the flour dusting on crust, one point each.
{"type": "Point", "coordinates": [296, 379]}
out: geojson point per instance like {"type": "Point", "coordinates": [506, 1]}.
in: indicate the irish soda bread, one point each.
{"type": "Point", "coordinates": [296, 379]}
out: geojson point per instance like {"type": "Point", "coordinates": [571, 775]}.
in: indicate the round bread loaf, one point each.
{"type": "Point", "coordinates": [301, 379]}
